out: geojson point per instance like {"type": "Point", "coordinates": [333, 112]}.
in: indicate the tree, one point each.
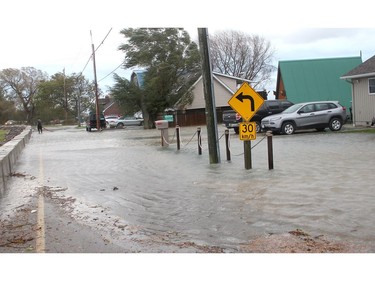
{"type": "Point", "coordinates": [127, 94]}
{"type": "Point", "coordinates": [238, 54]}
{"type": "Point", "coordinates": [172, 64]}
{"type": "Point", "coordinates": [7, 109]}
{"type": "Point", "coordinates": [64, 97]}
{"type": "Point", "coordinates": [22, 85]}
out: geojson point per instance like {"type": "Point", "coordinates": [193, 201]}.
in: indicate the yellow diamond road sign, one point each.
{"type": "Point", "coordinates": [246, 101]}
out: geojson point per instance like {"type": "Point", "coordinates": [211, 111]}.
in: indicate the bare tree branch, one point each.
{"type": "Point", "coordinates": [241, 55]}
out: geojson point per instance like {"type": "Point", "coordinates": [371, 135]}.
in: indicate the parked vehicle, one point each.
{"type": "Point", "coordinates": [232, 119]}
{"type": "Point", "coordinates": [91, 122]}
{"type": "Point", "coordinates": [129, 121]}
{"type": "Point", "coordinates": [309, 115]}
{"type": "Point", "coordinates": [111, 120]}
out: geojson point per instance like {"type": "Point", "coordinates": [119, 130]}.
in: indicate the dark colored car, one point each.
{"type": "Point", "coordinates": [91, 122]}
{"type": "Point", "coordinates": [231, 119]}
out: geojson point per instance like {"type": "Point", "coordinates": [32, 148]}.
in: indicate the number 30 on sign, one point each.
{"type": "Point", "coordinates": [247, 131]}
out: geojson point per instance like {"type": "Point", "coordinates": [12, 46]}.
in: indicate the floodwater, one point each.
{"type": "Point", "coordinates": [322, 183]}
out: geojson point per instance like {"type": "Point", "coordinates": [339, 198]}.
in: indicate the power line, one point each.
{"type": "Point", "coordinates": [111, 72]}
{"type": "Point", "coordinates": [103, 39]}
{"type": "Point", "coordinates": [86, 64]}
{"type": "Point", "coordinates": [95, 49]}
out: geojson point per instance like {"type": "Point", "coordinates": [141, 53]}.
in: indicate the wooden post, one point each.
{"type": "Point", "coordinates": [270, 150]}
{"type": "Point", "coordinates": [227, 144]}
{"type": "Point", "coordinates": [96, 88]}
{"type": "Point", "coordinates": [247, 154]}
{"type": "Point", "coordinates": [178, 136]}
{"type": "Point", "coordinates": [209, 96]}
{"type": "Point", "coordinates": [199, 141]}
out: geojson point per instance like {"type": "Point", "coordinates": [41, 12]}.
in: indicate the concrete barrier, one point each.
{"type": "Point", "coordinates": [9, 153]}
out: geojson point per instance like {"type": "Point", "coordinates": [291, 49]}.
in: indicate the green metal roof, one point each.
{"type": "Point", "coordinates": [318, 79]}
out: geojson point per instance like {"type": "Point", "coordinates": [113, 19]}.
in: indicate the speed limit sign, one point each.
{"type": "Point", "coordinates": [247, 131]}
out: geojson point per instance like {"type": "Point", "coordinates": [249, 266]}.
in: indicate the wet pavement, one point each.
{"type": "Point", "coordinates": [141, 197]}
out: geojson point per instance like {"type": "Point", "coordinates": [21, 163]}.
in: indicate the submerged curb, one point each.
{"type": "Point", "coordinates": [9, 153]}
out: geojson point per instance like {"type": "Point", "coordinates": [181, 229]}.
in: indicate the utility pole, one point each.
{"type": "Point", "coordinates": [79, 109]}
{"type": "Point", "coordinates": [96, 86]}
{"type": "Point", "coordinates": [66, 99]}
{"type": "Point", "coordinates": [209, 96]}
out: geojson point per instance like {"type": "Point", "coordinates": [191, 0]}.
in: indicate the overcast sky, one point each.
{"type": "Point", "coordinates": [53, 35]}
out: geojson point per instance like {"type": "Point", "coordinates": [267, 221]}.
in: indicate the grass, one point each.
{"type": "Point", "coordinates": [362, 130]}
{"type": "Point", "coordinates": [3, 133]}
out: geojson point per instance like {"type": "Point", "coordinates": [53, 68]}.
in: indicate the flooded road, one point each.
{"type": "Point", "coordinates": [125, 184]}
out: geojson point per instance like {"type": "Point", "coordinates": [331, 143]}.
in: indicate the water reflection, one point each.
{"type": "Point", "coordinates": [322, 183]}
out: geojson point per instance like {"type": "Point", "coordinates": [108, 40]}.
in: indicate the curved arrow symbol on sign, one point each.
{"type": "Point", "coordinates": [241, 97]}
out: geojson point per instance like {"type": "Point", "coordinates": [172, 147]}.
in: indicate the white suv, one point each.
{"type": "Point", "coordinates": [309, 115]}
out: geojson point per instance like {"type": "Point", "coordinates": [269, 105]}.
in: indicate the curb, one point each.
{"type": "Point", "coordinates": [9, 153]}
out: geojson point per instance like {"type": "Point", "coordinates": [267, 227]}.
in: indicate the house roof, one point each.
{"type": "Point", "coordinates": [363, 70]}
{"type": "Point", "coordinates": [215, 76]}
{"type": "Point", "coordinates": [139, 75]}
{"type": "Point", "coordinates": [317, 79]}
{"type": "Point", "coordinates": [225, 87]}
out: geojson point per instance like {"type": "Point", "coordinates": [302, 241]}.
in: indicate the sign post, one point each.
{"type": "Point", "coordinates": [246, 102]}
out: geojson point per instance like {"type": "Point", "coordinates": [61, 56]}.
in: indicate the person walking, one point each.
{"type": "Point", "coordinates": [40, 127]}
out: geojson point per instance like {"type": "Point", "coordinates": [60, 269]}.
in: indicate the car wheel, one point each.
{"type": "Point", "coordinates": [335, 124]}
{"type": "Point", "coordinates": [258, 127]}
{"type": "Point", "coordinates": [120, 125]}
{"type": "Point", "coordinates": [288, 128]}
{"type": "Point", "coordinates": [236, 130]}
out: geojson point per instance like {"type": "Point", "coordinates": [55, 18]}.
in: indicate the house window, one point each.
{"type": "Point", "coordinates": [371, 86]}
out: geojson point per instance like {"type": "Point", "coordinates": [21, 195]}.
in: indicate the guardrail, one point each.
{"type": "Point", "coordinates": [9, 153]}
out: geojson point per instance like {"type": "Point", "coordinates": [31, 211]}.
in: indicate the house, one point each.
{"type": "Point", "coordinates": [362, 82]}
{"type": "Point", "coordinates": [138, 77]}
{"type": "Point", "coordinates": [109, 106]}
{"type": "Point", "coordinates": [315, 79]}
{"type": "Point", "coordinates": [194, 113]}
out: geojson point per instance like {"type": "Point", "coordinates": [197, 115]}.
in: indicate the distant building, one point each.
{"type": "Point", "coordinates": [315, 79]}
{"type": "Point", "coordinates": [362, 82]}
{"type": "Point", "coordinates": [194, 113]}
{"type": "Point", "coordinates": [109, 106]}
{"type": "Point", "coordinates": [137, 77]}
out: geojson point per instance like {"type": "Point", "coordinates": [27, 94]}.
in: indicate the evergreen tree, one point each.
{"type": "Point", "coordinates": [171, 62]}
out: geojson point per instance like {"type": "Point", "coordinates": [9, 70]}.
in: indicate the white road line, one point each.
{"type": "Point", "coordinates": [40, 235]}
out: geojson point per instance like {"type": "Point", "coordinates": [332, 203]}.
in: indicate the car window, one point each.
{"type": "Point", "coordinates": [307, 108]}
{"type": "Point", "coordinates": [286, 104]}
{"type": "Point", "coordinates": [291, 109]}
{"type": "Point", "coordinates": [273, 104]}
{"type": "Point", "coordinates": [332, 105]}
{"type": "Point", "coordinates": [263, 109]}
{"type": "Point", "coordinates": [321, 106]}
